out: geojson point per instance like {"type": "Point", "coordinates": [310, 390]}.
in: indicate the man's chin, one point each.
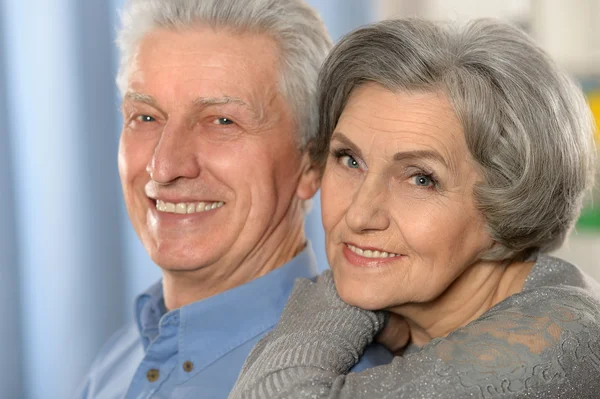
{"type": "Point", "coordinates": [178, 265]}
{"type": "Point", "coordinates": [173, 262]}
{"type": "Point", "coordinates": [181, 256]}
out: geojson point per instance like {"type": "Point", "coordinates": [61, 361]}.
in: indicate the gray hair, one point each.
{"type": "Point", "coordinates": [301, 36]}
{"type": "Point", "coordinates": [525, 122]}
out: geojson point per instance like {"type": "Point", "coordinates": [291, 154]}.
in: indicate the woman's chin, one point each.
{"type": "Point", "coordinates": [361, 297]}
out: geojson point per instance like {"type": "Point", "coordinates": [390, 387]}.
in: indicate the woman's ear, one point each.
{"type": "Point", "coordinates": [310, 179]}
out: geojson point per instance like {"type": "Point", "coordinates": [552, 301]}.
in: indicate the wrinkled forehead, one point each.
{"type": "Point", "coordinates": [395, 121]}
{"type": "Point", "coordinates": [206, 62]}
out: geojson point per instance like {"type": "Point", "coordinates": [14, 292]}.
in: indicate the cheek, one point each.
{"type": "Point", "coordinates": [442, 231]}
{"type": "Point", "coordinates": [336, 197]}
{"type": "Point", "coordinates": [134, 156]}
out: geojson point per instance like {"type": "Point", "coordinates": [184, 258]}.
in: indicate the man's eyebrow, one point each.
{"type": "Point", "coordinates": [148, 99]}
{"type": "Point", "coordinates": [200, 101]}
{"type": "Point", "coordinates": [139, 97]}
{"type": "Point", "coordinates": [224, 100]}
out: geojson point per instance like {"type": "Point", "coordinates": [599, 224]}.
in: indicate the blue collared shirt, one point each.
{"type": "Point", "coordinates": [198, 350]}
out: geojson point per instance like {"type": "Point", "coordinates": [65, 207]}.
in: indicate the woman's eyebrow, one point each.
{"type": "Point", "coordinates": [399, 156]}
{"type": "Point", "coordinates": [339, 136]}
{"type": "Point", "coordinates": [422, 154]}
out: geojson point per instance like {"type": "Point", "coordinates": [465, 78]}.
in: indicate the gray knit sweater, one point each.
{"type": "Point", "coordinates": [541, 343]}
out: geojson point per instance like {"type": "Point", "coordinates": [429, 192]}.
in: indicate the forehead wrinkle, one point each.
{"type": "Point", "coordinates": [445, 157]}
{"type": "Point", "coordinates": [439, 130]}
{"type": "Point", "coordinates": [219, 101]}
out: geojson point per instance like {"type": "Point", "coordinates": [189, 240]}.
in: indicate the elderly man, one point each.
{"type": "Point", "coordinates": [218, 107]}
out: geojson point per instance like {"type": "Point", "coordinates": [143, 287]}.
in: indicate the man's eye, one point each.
{"type": "Point", "coordinates": [145, 118]}
{"type": "Point", "coordinates": [350, 162]}
{"type": "Point", "coordinates": [223, 121]}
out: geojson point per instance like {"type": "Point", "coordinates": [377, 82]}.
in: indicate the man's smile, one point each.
{"type": "Point", "coordinates": [187, 207]}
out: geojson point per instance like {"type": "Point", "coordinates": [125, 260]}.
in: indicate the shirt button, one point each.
{"type": "Point", "coordinates": [188, 366]}
{"type": "Point", "coordinates": [152, 375]}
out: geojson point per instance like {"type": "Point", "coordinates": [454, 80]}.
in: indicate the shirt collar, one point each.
{"type": "Point", "coordinates": [149, 308]}
{"type": "Point", "coordinates": [213, 326]}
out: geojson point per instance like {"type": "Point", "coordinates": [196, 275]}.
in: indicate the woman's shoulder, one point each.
{"type": "Point", "coordinates": [558, 300]}
{"type": "Point", "coordinates": [554, 289]}
{"type": "Point", "coordinates": [546, 337]}
{"type": "Point", "coordinates": [549, 271]}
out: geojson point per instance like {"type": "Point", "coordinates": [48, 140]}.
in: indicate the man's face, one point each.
{"type": "Point", "coordinates": [209, 162]}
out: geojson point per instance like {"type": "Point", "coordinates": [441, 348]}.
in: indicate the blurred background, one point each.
{"type": "Point", "coordinates": [70, 263]}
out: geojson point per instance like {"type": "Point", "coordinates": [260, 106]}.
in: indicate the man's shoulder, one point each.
{"type": "Point", "coordinates": [120, 353]}
{"type": "Point", "coordinates": [114, 365]}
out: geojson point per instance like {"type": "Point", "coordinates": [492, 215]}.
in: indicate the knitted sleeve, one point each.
{"type": "Point", "coordinates": [541, 346]}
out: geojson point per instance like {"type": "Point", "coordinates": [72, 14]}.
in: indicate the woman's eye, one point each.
{"type": "Point", "coordinates": [145, 118]}
{"type": "Point", "coordinates": [350, 162]}
{"type": "Point", "coordinates": [223, 121]}
{"type": "Point", "coordinates": [422, 180]}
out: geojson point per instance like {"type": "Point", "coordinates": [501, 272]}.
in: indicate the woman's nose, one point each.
{"type": "Point", "coordinates": [367, 211]}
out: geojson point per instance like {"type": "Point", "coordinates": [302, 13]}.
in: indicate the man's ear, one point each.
{"type": "Point", "coordinates": [310, 179]}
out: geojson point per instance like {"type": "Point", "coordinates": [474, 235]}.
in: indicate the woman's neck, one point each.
{"type": "Point", "coordinates": [473, 293]}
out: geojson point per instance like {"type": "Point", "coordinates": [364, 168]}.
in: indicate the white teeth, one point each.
{"type": "Point", "coordinates": [371, 254]}
{"type": "Point", "coordinates": [183, 208]}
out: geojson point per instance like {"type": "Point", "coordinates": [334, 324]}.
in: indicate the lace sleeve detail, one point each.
{"type": "Point", "coordinates": [522, 348]}
{"type": "Point", "coordinates": [542, 345]}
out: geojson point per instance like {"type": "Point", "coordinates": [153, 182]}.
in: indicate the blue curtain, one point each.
{"type": "Point", "coordinates": [70, 263]}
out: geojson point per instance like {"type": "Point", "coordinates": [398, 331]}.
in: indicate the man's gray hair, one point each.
{"type": "Point", "coordinates": [525, 122]}
{"type": "Point", "coordinates": [300, 34]}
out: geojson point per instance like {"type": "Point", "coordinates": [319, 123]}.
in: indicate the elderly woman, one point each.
{"type": "Point", "coordinates": [455, 159]}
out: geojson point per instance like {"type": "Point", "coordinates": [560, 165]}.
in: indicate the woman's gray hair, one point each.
{"type": "Point", "coordinates": [301, 36]}
{"type": "Point", "coordinates": [525, 122]}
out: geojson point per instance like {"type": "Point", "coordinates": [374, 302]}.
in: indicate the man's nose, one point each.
{"type": "Point", "coordinates": [175, 155]}
{"type": "Point", "coordinates": [368, 212]}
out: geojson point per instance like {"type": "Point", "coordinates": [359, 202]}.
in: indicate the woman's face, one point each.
{"type": "Point", "coordinates": [397, 199]}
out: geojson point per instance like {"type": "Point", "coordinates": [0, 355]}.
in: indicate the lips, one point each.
{"type": "Point", "coordinates": [368, 257]}
{"type": "Point", "coordinates": [368, 253]}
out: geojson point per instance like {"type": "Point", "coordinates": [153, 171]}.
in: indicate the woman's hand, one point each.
{"type": "Point", "coordinates": [395, 335]}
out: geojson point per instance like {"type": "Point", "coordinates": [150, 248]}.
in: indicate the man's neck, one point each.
{"type": "Point", "coordinates": [181, 288]}
{"type": "Point", "coordinates": [478, 289]}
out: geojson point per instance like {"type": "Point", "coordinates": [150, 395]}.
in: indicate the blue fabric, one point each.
{"type": "Point", "coordinates": [215, 335]}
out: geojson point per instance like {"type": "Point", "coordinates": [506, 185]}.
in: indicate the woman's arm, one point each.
{"type": "Point", "coordinates": [508, 353]}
